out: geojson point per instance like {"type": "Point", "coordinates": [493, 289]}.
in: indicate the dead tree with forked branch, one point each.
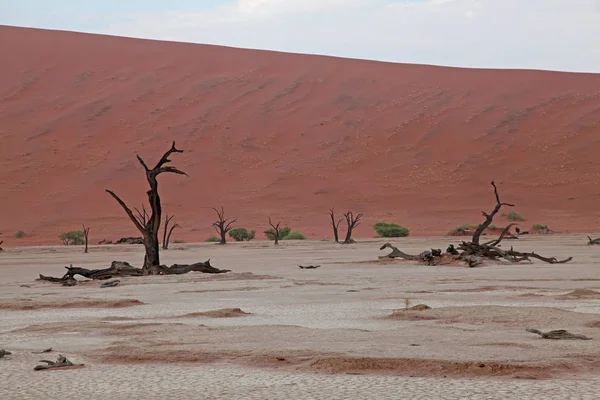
{"type": "Point", "coordinates": [335, 225]}
{"type": "Point", "coordinates": [168, 232]}
{"type": "Point", "coordinates": [474, 252]}
{"type": "Point", "coordinates": [275, 230]}
{"type": "Point", "coordinates": [223, 225]}
{"type": "Point", "coordinates": [352, 221]}
{"type": "Point", "coordinates": [86, 233]}
{"type": "Point", "coordinates": [150, 225]}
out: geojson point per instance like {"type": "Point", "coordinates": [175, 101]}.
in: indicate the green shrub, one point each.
{"type": "Point", "coordinates": [513, 216]}
{"type": "Point", "coordinates": [72, 238]}
{"type": "Point", "coordinates": [294, 236]}
{"type": "Point", "coordinates": [386, 229]}
{"type": "Point", "coordinates": [283, 232]}
{"type": "Point", "coordinates": [241, 234]}
{"type": "Point", "coordinates": [539, 227]}
{"type": "Point", "coordinates": [20, 234]}
{"type": "Point", "coordinates": [213, 239]}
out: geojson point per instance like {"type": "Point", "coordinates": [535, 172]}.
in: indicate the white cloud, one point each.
{"type": "Point", "coordinates": [539, 34]}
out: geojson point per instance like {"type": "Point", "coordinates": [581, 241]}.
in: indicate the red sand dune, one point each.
{"type": "Point", "coordinates": [285, 135]}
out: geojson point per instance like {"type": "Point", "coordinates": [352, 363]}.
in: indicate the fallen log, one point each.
{"type": "Point", "coordinates": [558, 334]}
{"type": "Point", "coordinates": [590, 242]}
{"type": "Point", "coordinates": [122, 268]}
{"type": "Point", "coordinates": [48, 350]}
{"type": "Point", "coordinates": [308, 266]}
{"type": "Point", "coordinates": [4, 353]}
{"type": "Point", "coordinates": [110, 284]}
{"type": "Point", "coordinates": [61, 362]}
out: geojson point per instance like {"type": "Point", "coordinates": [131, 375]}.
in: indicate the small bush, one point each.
{"type": "Point", "coordinates": [294, 236]}
{"type": "Point", "coordinates": [241, 234]}
{"type": "Point", "coordinates": [513, 216]}
{"type": "Point", "coordinates": [72, 238]}
{"type": "Point", "coordinates": [385, 229]}
{"type": "Point", "coordinates": [539, 227]}
{"type": "Point", "coordinates": [283, 232]}
{"type": "Point", "coordinates": [213, 239]}
{"type": "Point", "coordinates": [461, 230]}
{"type": "Point", "coordinates": [20, 234]}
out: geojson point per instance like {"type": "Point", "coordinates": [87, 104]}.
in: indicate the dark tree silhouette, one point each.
{"type": "Point", "coordinates": [223, 225]}
{"type": "Point", "coordinates": [275, 230]}
{"type": "Point", "coordinates": [168, 232]}
{"type": "Point", "coordinates": [335, 225]}
{"type": "Point", "coordinates": [86, 232]}
{"type": "Point", "coordinates": [352, 222]}
{"type": "Point", "coordinates": [149, 226]}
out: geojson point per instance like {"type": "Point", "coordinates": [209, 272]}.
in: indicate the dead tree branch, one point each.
{"type": "Point", "coordinates": [167, 233]}
{"type": "Point", "coordinates": [61, 362]}
{"type": "Point", "coordinates": [1, 241]}
{"type": "Point", "coordinates": [223, 225]}
{"type": "Point", "coordinates": [149, 225]}
{"type": "Point", "coordinates": [558, 334]}
{"type": "Point", "coordinates": [352, 222]}
{"type": "Point", "coordinates": [335, 225]}
{"type": "Point", "coordinates": [275, 230]}
{"type": "Point", "coordinates": [489, 217]}
{"type": "Point", "coordinates": [86, 233]}
{"type": "Point", "coordinates": [590, 242]}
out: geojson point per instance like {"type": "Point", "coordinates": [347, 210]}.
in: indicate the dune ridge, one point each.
{"type": "Point", "coordinates": [283, 135]}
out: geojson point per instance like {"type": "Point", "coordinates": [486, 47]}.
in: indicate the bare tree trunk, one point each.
{"type": "Point", "coordinates": [165, 241]}
{"type": "Point", "coordinates": [169, 235]}
{"type": "Point", "coordinates": [223, 225]}
{"type": "Point", "coordinates": [352, 222]}
{"type": "Point", "coordinates": [150, 226]}
{"type": "Point", "coordinates": [275, 229]}
{"type": "Point", "coordinates": [335, 225]}
{"type": "Point", "coordinates": [86, 232]}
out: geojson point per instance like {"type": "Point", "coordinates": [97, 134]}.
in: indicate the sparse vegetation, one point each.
{"type": "Point", "coordinates": [539, 227]}
{"type": "Point", "coordinates": [294, 236]}
{"type": "Point", "coordinates": [462, 230]}
{"type": "Point", "coordinates": [212, 239]}
{"type": "Point", "coordinates": [20, 234]}
{"type": "Point", "coordinates": [386, 229]}
{"type": "Point", "coordinates": [241, 234]}
{"type": "Point", "coordinates": [514, 216]}
{"type": "Point", "coordinates": [72, 238]}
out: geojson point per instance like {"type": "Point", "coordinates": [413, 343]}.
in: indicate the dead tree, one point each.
{"type": "Point", "coordinates": [223, 225]}
{"type": "Point", "coordinates": [1, 241]}
{"type": "Point", "coordinates": [352, 222]}
{"type": "Point", "coordinates": [590, 241]}
{"type": "Point", "coordinates": [167, 234]}
{"type": "Point", "coordinates": [558, 334]}
{"type": "Point", "coordinates": [86, 232]}
{"type": "Point", "coordinates": [61, 362]}
{"type": "Point", "coordinates": [275, 230]}
{"type": "Point", "coordinates": [149, 226]}
{"type": "Point", "coordinates": [473, 253]}
{"type": "Point", "coordinates": [335, 225]}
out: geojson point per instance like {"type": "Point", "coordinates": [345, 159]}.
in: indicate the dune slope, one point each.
{"type": "Point", "coordinates": [283, 135]}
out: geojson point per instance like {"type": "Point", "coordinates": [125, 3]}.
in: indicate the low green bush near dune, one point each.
{"type": "Point", "coordinates": [387, 229]}
{"type": "Point", "coordinates": [294, 236]}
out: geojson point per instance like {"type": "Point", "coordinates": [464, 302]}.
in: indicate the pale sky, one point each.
{"type": "Point", "coordinates": [534, 34]}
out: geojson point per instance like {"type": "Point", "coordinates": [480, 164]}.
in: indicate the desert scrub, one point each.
{"type": "Point", "coordinates": [241, 234]}
{"type": "Point", "coordinates": [20, 234]}
{"type": "Point", "coordinates": [72, 238]}
{"type": "Point", "coordinates": [513, 216]}
{"type": "Point", "coordinates": [283, 232]}
{"type": "Point", "coordinates": [294, 236]}
{"type": "Point", "coordinates": [212, 239]}
{"type": "Point", "coordinates": [386, 229]}
{"type": "Point", "coordinates": [539, 227]}
{"type": "Point", "coordinates": [461, 230]}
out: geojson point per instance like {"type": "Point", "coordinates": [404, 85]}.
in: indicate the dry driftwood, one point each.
{"type": "Point", "coordinates": [4, 353]}
{"type": "Point", "coordinates": [61, 362]}
{"type": "Point", "coordinates": [110, 283]}
{"type": "Point", "coordinates": [122, 268]}
{"type": "Point", "coordinates": [309, 266]}
{"type": "Point", "coordinates": [590, 242]}
{"type": "Point", "coordinates": [430, 257]}
{"type": "Point", "coordinates": [48, 350]}
{"type": "Point", "coordinates": [559, 334]}
{"type": "Point", "coordinates": [128, 240]}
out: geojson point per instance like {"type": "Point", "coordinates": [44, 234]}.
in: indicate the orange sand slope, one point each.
{"type": "Point", "coordinates": [284, 135]}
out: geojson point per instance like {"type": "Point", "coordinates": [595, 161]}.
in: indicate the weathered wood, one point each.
{"type": "Point", "coordinates": [168, 232]}
{"type": "Point", "coordinates": [48, 350]}
{"type": "Point", "coordinates": [590, 242]}
{"type": "Point", "coordinates": [559, 334]}
{"type": "Point", "coordinates": [275, 230]}
{"type": "Point", "coordinates": [149, 226]}
{"type": "Point", "coordinates": [309, 266]}
{"type": "Point", "coordinates": [1, 241]}
{"type": "Point", "coordinates": [223, 225]}
{"type": "Point", "coordinates": [128, 240]}
{"type": "Point", "coordinates": [396, 253]}
{"type": "Point", "coordinates": [86, 232]}
{"type": "Point", "coordinates": [204, 267]}
{"type": "Point", "coordinates": [110, 284]}
{"type": "Point", "coordinates": [352, 221]}
{"type": "Point", "coordinates": [335, 225]}
{"type": "Point", "coordinates": [61, 362]}
{"type": "Point", "coordinates": [4, 353]}
{"type": "Point", "coordinates": [489, 217]}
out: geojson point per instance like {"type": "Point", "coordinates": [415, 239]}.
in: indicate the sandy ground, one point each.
{"type": "Point", "coordinates": [270, 330]}
{"type": "Point", "coordinates": [283, 135]}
